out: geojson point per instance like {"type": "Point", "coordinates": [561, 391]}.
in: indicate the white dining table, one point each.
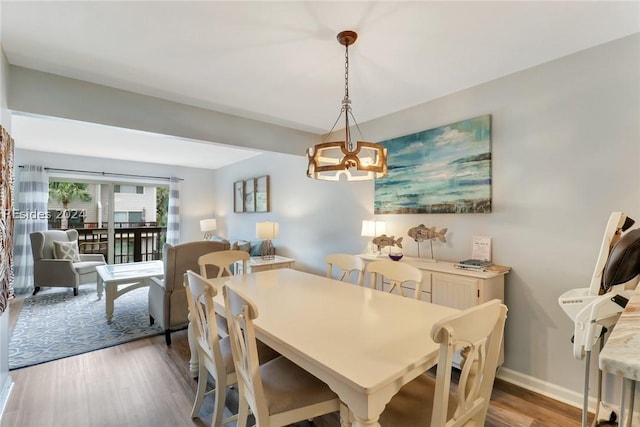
{"type": "Point", "coordinates": [364, 344]}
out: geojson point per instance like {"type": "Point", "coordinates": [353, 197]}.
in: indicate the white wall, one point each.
{"type": "Point", "coordinates": [51, 95]}
{"type": "Point", "coordinates": [565, 148]}
{"type": "Point", "coordinates": [315, 217]}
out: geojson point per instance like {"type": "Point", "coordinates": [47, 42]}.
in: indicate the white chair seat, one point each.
{"type": "Point", "coordinates": [412, 405]}
{"type": "Point", "coordinates": [287, 386]}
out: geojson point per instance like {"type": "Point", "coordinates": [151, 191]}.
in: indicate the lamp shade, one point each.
{"type": "Point", "coordinates": [373, 228]}
{"type": "Point", "coordinates": [267, 230]}
{"type": "Point", "coordinates": [208, 225]}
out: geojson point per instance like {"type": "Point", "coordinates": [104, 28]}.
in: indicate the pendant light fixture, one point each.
{"type": "Point", "coordinates": [358, 161]}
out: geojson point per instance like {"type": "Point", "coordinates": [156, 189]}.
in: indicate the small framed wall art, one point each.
{"type": "Point", "coordinates": [238, 196]}
{"type": "Point", "coordinates": [262, 194]}
{"type": "Point", "coordinates": [250, 195]}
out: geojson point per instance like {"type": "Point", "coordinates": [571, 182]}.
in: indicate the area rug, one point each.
{"type": "Point", "coordinates": [56, 325]}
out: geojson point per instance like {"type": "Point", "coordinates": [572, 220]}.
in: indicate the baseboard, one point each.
{"type": "Point", "coordinates": [544, 388]}
{"type": "Point", "coordinates": [564, 395]}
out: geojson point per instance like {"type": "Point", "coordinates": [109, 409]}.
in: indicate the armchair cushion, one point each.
{"type": "Point", "coordinates": [86, 267]}
{"type": "Point", "coordinates": [66, 250]}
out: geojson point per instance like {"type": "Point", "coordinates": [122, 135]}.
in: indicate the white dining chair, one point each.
{"type": "Point", "coordinates": [278, 392]}
{"type": "Point", "coordinates": [214, 353]}
{"type": "Point", "coordinates": [347, 265]}
{"type": "Point", "coordinates": [477, 332]}
{"type": "Point", "coordinates": [226, 262]}
{"type": "Point", "coordinates": [395, 274]}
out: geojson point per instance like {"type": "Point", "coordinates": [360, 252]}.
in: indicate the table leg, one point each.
{"type": "Point", "coordinates": [359, 422]}
{"type": "Point", "coordinates": [100, 286]}
{"type": "Point", "coordinates": [345, 416]}
{"type": "Point", "coordinates": [111, 290]}
{"type": "Point", "coordinates": [626, 402]}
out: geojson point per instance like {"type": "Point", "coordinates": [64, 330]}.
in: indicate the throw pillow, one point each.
{"type": "Point", "coordinates": [66, 250]}
{"type": "Point", "coordinates": [241, 245]}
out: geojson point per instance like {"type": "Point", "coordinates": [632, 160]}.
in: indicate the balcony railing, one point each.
{"type": "Point", "coordinates": [132, 242]}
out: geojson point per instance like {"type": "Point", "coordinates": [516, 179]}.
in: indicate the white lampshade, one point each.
{"type": "Point", "coordinates": [373, 228]}
{"type": "Point", "coordinates": [208, 225]}
{"type": "Point", "coordinates": [267, 230]}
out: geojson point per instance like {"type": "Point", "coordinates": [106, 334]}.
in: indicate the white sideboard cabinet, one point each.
{"type": "Point", "coordinates": [444, 284]}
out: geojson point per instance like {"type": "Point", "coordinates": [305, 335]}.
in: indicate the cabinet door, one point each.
{"type": "Point", "coordinates": [454, 291]}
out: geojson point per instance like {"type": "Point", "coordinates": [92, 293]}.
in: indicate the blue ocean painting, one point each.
{"type": "Point", "coordinates": [441, 170]}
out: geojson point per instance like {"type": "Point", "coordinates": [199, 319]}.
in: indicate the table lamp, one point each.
{"type": "Point", "coordinates": [372, 228]}
{"type": "Point", "coordinates": [267, 231]}
{"type": "Point", "coordinates": [208, 226]}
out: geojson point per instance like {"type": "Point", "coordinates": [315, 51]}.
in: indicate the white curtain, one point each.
{"type": "Point", "coordinates": [30, 215]}
{"type": "Point", "coordinates": [173, 213]}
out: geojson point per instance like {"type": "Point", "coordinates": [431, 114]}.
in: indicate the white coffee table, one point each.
{"type": "Point", "coordinates": [118, 279]}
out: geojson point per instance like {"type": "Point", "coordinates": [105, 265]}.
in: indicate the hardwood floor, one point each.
{"type": "Point", "coordinates": [145, 383]}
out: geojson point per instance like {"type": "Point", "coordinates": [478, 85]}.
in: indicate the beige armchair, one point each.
{"type": "Point", "coordinates": [167, 297]}
{"type": "Point", "coordinates": [51, 271]}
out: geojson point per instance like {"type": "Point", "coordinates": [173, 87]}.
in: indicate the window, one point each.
{"type": "Point", "coordinates": [128, 189]}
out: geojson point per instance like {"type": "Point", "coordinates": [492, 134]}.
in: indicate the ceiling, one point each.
{"type": "Point", "coordinates": [279, 62]}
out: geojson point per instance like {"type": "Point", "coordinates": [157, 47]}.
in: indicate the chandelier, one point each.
{"type": "Point", "coordinates": [358, 161]}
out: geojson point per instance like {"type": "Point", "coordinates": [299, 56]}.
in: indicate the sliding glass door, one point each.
{"type": "Point", "coordinates": [125, 222]}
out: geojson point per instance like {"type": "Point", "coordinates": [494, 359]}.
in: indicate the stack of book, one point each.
{"type": "Point", "coordinates": [473, 264]}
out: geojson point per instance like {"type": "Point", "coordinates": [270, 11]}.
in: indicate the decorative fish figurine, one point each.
{"type": "Point", "coordinates": [422, 233]}
{"type": "Point", "coordinates": [384, 240]}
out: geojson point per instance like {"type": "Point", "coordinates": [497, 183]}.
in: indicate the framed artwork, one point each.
{"type": "Point", "coordinates": [250, 195]}
{"type": "Point", "coordinates": [7, 217]}
{"type": "Point", "coordinates": [238, 196]}
{"type": "Point", "coordinates": [262, 194]}
{"type": "Point", "coordinates": [442, 170]}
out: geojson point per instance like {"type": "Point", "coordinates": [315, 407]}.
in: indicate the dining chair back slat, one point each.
{"type": "Point", "coordinates": [224, 260]}
{"type": "Point", "coordinates": [347, 265]}
{"type": "Point", "coordinates": [395, 274]}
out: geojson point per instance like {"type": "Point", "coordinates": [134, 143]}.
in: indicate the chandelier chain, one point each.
{"type": "Point", "coordinates": [346, 72]}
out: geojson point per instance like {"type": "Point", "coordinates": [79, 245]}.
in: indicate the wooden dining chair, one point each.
{"type": "Point", "coordinates": [395, 274]}
{"type": "Point", "coordinates": [225, 261]}
{"type": "Point", "coordinates": [214, 353]}
{"type": "Point", "coordinates": [477, 333]}
{"type": "Point", "coordinates": [347, 265]}
{"type": "Point", "coordinates": [278, 392]}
